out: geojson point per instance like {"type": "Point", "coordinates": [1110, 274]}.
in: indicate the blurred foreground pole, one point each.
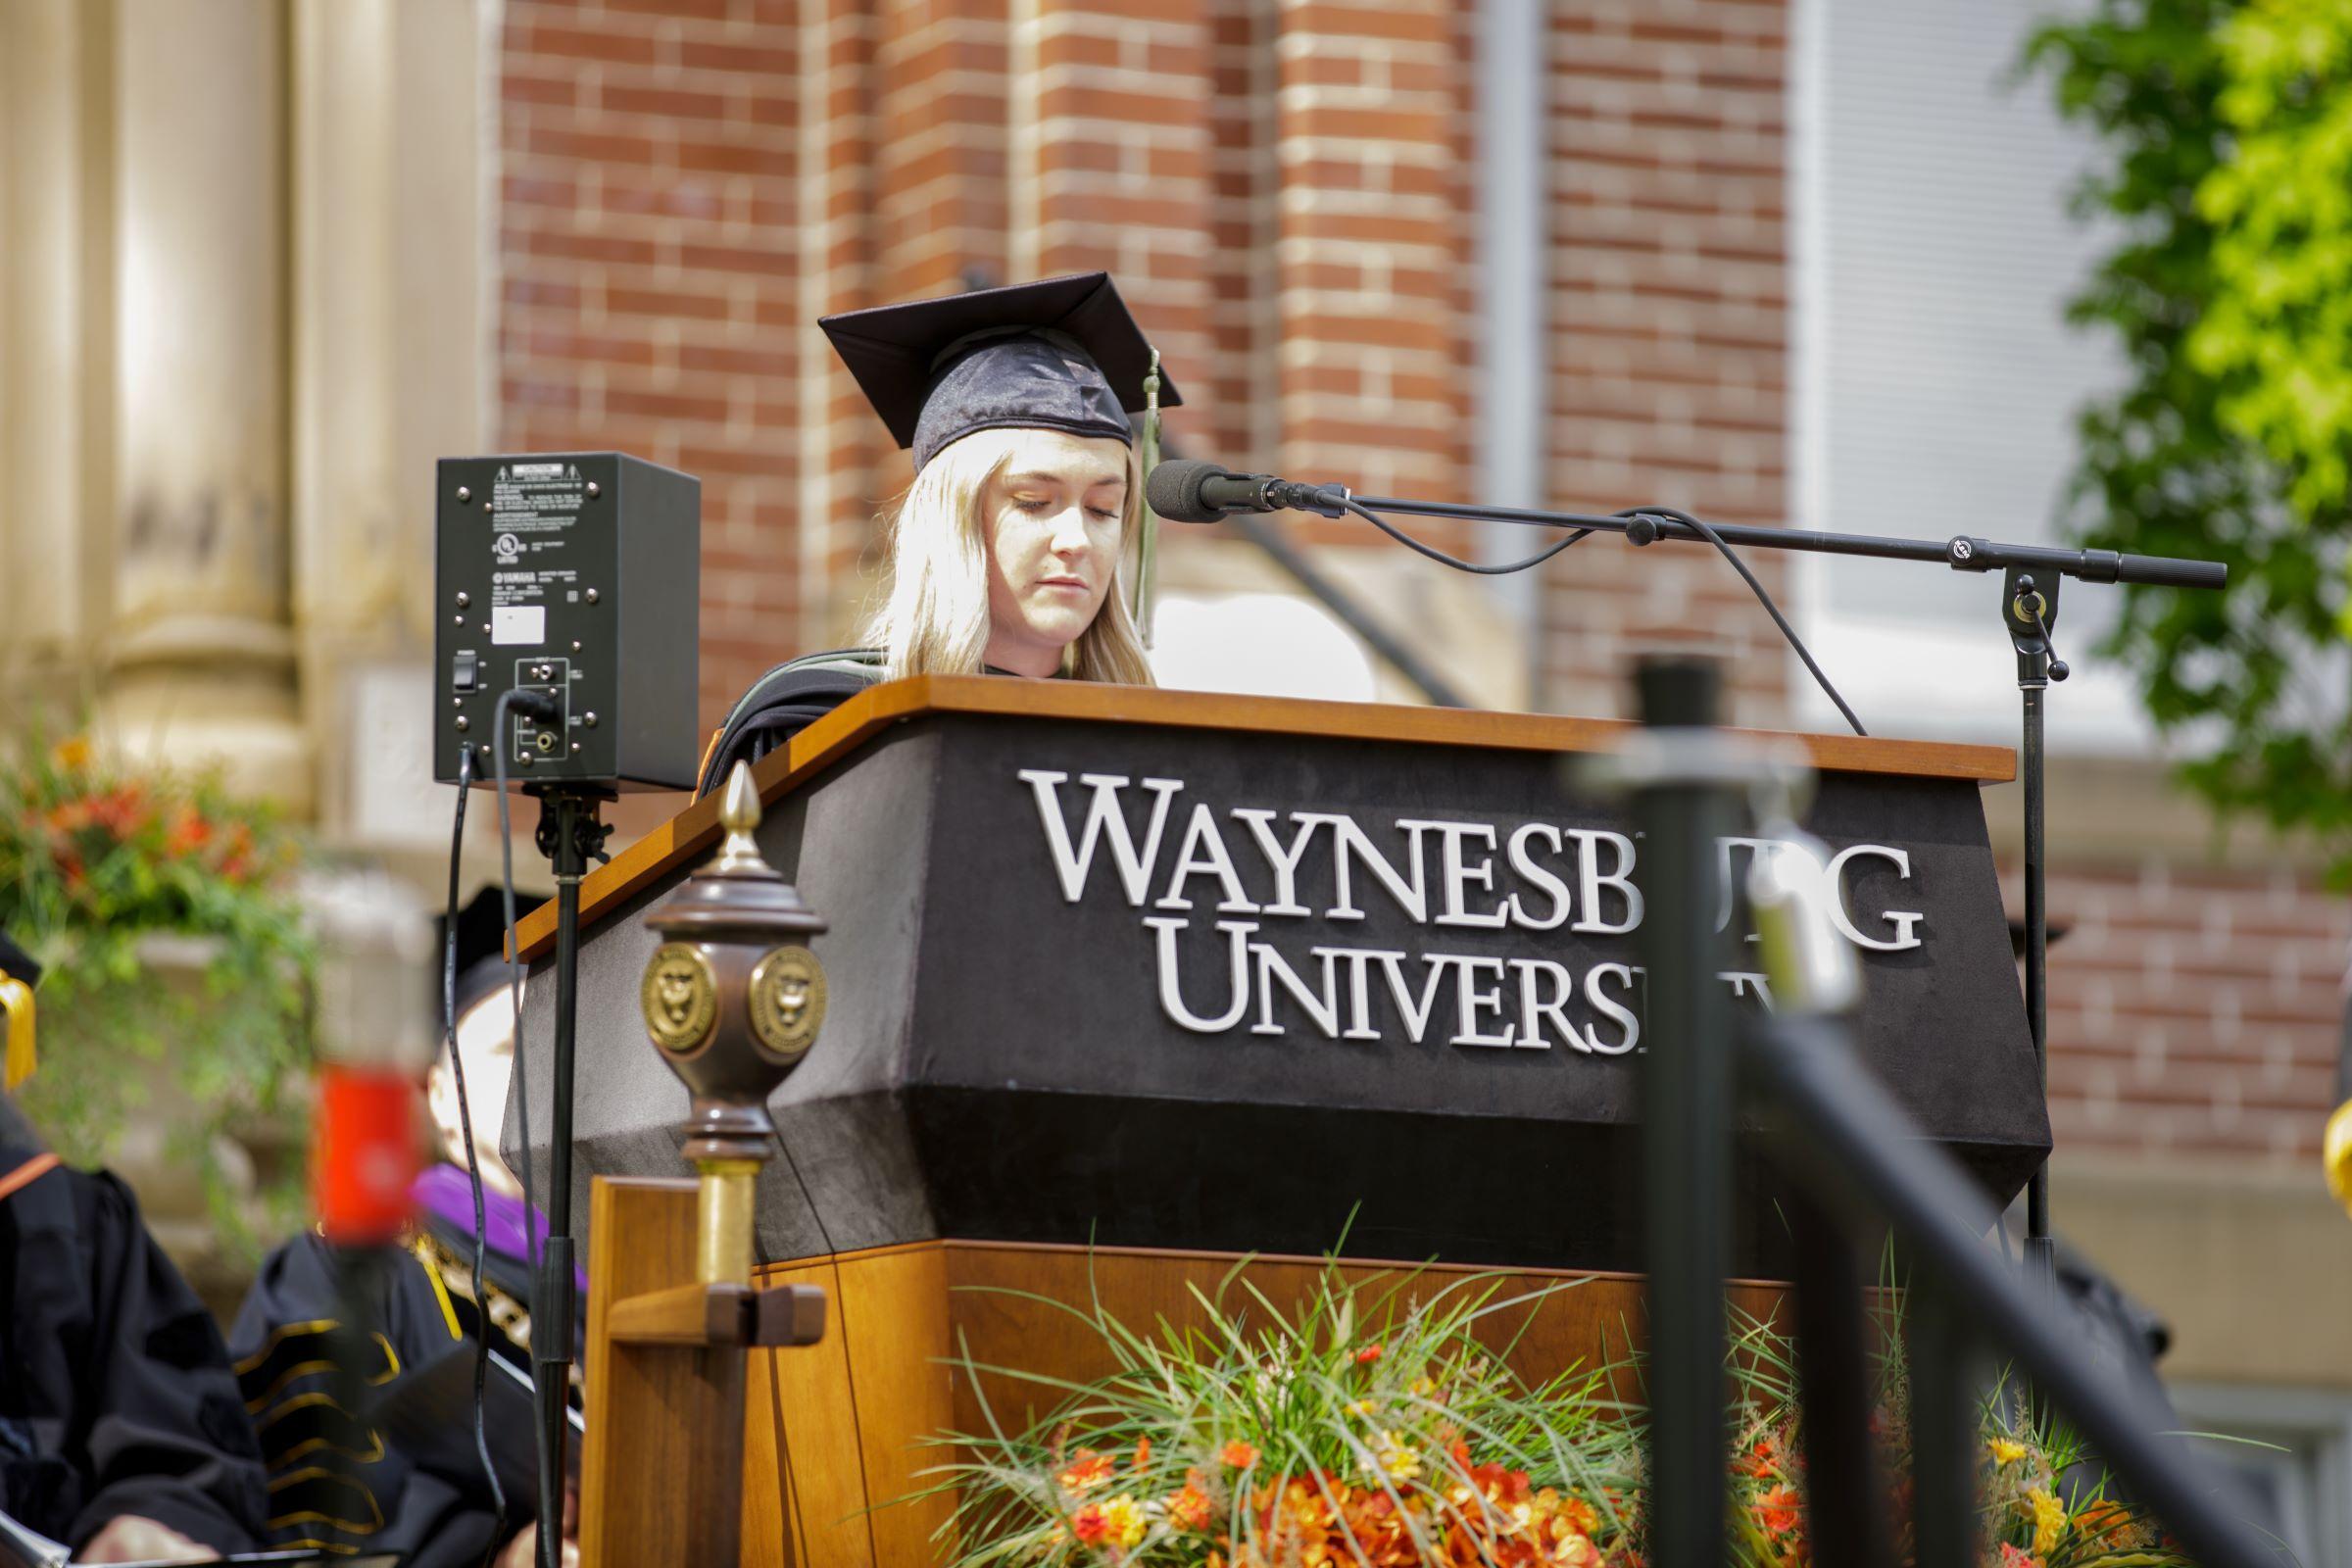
{"type": "Point", "coordinates": [1684, 802]}
{"type": "Point", "coordinates": [375, 1044]}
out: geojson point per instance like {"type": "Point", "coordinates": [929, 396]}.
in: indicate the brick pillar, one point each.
{"type": "Point", "coordinates": [1669, 335]}
{"type": "Point", "coordinates": [1367, 242]}
{"type": "Point", "coordinates": [650, 250]}
{"type": "Point", "coordinates": [1111, 164]}
{"type": "Point", "coordinates": [841, 449]}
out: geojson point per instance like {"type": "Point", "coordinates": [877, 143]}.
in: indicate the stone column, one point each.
{"type": "Point", "coordinates": [199, 652]}
{"type": "Point", "coordinates": [390, 363]}
{"type": "Point", "coordinates": [56, 308]}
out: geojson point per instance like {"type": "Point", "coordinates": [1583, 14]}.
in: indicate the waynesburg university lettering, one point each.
{"type": "Point", "coordinates": [1211, 885]}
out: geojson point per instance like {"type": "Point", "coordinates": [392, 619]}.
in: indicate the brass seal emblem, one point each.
{"type": "Point", "coordinates": [680, 996]}
{"type": "Point", "coordinates": [788, 1001]}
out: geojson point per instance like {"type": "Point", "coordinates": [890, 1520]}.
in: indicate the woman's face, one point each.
{"type": "Point", "coordinates": [1053, 515]}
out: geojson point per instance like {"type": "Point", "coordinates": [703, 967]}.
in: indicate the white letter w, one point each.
{"type": "Point", "coordinates": [1101, 813]}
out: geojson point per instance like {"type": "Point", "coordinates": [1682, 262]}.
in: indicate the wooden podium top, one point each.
{"type": "Point", "coordinates": [694, 830]}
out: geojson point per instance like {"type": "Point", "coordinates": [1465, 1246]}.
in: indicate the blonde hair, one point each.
{"type": "Point", "coordinates": [935, 620]}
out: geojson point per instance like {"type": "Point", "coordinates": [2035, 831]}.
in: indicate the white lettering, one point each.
{"type": "Point", "coordinates": [1533, 1010]}
{"type": "Point", "coordinates": [1360, 998]}
{"type": "Point", "coordinates": [1285, 862]}
{"type": "Point", "coordinates": [1102, 815]}
{"type": "Point", "coordinates": [1350, 843]}
{"type": "Point", "coordinates": [1905, 922]}
{"type": "Point", "coordinates": [1470, 1001]}
{"type": "Point", "coordinates": [1202, 853]}
{"type": "Point", "coordinates": [1416, 1016]}
{"type": "Point", "coordinates": [1592, 879]}
{"type": "Point", "coordinates": [1171, 994]}
{"type": "Point", "coordinates": [1628, 1020]}
{"type": "Point", "coordinates": [1322, 1007]}
{"type": "Point", "coordinates": [1524, 862]}
{"type": "Point", "coordinates": [1456, 874]}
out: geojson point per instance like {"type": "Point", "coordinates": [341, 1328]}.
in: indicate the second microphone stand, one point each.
{"type": "Point", "coordinates": [2031, 578]}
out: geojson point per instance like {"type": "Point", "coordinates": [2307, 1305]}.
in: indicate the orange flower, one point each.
{"type": "Point", "coordinates": [2010, 1557]}
{"type": "Point", "coordinates": [1086, 1472]}
{"type": "Point", "coordinates": [1143, 1453]}
{"type": "Point", "coordinates": [1776, 1510]}
{"type": "Point", "coordinates": [188, 833]}
{"type": "Point", "coordinates": [1368, 1355]}
{"type": "Point", "coordinates": [1089, 1525]}
{"type": "Point", "coordinates": [1239, 1455]}
{"type": "Point", "coordinates": [1187, 1507]}
{"type": "Point", "coordinates": [72, 754]}
{"type": "Point", "coordinates": [2106, 1521]}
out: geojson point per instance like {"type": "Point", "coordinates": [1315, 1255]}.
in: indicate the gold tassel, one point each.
{"type": "Point", "coordinates": [1147, 546]}
{"type": "Point", "coordinates": [16, 1001]}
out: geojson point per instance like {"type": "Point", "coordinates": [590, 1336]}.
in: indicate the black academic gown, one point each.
{"type": "Point", "coordinates": [115, 1393]}
{"type": "Point", "coordinates": [785, 701]}
{"type": "Point", "coordinates": [373, 1495]}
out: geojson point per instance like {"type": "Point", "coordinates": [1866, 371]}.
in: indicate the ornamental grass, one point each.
{"type": "Point", "coordinates": [1380, 1425]}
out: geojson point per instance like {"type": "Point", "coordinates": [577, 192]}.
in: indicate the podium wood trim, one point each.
{"type": "Point", "coordinates": [694, 830]}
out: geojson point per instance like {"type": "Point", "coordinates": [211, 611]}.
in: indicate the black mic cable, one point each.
{"type": "Point", "coordinates": [537, 704]}
{"type": "Point", "coordinates": [1189, 490]}
{"type": "Point", "coordinates": [473, 1161]}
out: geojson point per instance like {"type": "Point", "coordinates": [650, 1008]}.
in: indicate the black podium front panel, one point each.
{"type": "Point", "coordinates": [1172, 986]}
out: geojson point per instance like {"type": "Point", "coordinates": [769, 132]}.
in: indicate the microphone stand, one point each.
{"type": "Point", "coordinates": [2031, 578]}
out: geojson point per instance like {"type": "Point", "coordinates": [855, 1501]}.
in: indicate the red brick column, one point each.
{"type": "Point", "coordinates": [1368, 239]}
{"type": "Point", "coordinates": [649, 254]}
{"type": "Point", "coordinates": [1109, 163]}
{"type": "Point", "coordinates": [1669, 329]}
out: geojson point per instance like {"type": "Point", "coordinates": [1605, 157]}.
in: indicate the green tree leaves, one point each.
{"type": "Point", "coordinates": [2225, 128]}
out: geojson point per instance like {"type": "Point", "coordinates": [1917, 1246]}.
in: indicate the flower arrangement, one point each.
{"type": "Point", "coordinates": [103, 874]}
{"type": "Point", "coordinates": [1379, 1426]}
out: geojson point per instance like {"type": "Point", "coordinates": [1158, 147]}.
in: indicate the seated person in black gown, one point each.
{"type": "Point", "coordinates": [433, 1504]}
{"type": "Point", "coordinates": [121, 1430]}
{"type": "Point", "coordinates": [1007, 550]}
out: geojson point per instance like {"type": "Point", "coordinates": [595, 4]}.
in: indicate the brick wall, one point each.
{"type": "Point", "coordinates": [649, 252]}
{"type": "Point", "coordinates": [1669, 344]}
{"type": "Point", "coordinates": [2194, 1013]}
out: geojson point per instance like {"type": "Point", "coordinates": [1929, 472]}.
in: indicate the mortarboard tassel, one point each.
{"type": "Point", "coordinates": [1146, 544]}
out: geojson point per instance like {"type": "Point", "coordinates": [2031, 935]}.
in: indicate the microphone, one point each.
{"type": "Point", "coordinates": [1188, 490]}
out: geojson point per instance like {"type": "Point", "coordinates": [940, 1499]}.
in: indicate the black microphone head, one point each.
{"type": "Point", "coordinates": [1173, 490]}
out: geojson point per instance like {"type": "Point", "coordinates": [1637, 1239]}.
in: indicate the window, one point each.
{"type": "Point", "coordinates": [1935, 379]}
{"type": "Point", "coordinates": [2292, 1448]}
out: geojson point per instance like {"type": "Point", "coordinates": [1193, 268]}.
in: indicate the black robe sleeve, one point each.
{"type": "Point", "coordinates": [116, 1396]}
{"type": "Point", "coordinates": [782, 702]}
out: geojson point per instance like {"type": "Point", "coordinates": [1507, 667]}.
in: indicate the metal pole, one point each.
{"type": "Point", "coordinates": [1686, 1122]}
{"type": "Point", "coordinates": [553, 1312]}
{"type": "Point", "coordinates": [1833, 1338]}
{"type": "Point", "coordinates": [2041, 1252]}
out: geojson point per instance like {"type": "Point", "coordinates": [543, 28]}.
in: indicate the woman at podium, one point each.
{"type": "Point", "coordinates": [1006, 550]}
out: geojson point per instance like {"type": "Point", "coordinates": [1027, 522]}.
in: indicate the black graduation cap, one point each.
{"type": "Point", "coordinates": [481, 949]}
{"type": "Point", "coordinates": [1060, 355]}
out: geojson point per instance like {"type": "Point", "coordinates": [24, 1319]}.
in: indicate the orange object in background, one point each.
{"type": "Point", "coordinates": [363, 1153]}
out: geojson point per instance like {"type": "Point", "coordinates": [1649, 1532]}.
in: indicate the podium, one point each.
{"type": "Point", "coordinates": [1127, 984]}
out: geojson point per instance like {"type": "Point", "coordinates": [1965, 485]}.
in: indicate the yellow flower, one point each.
{"type": "Point", "coordinates": [2050, 1520]}
{"type": "Point", "coordinates": [2005, 1452]}
{"type": "Point", "coordinates": [1123, 1522]}
{"type": "Point", "coordinates": [1363, 1407]}
{"type": "Point", "coordinates": [1423, 1387]}
{"type": "Point", "coordinates": [72, 754]}
{"type": "Point", "coordinates": [1398, 1459]}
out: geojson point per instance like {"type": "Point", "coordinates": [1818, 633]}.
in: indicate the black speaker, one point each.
{"type": "Point", "coordinates": [576, 574]}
